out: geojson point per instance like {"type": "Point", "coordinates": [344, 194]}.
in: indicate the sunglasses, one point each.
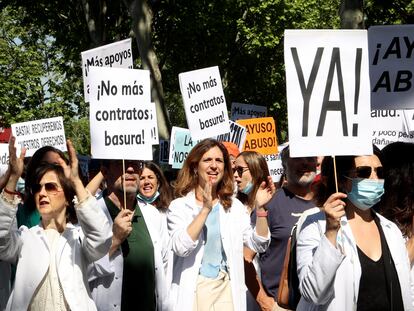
{"type": "Point", "coordinates": [240, 170]}
{"type": "Point", "coordinates": [50, 187]}
{"type": "Point", "coordinates": [365, 171]}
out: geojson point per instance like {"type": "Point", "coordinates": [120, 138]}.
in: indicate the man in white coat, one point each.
{"type": "Point", "coordinates": [139, 246]}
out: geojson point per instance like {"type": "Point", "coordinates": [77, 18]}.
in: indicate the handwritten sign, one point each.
{"type": "Point", "coordinates": [204, 102]}
{"type": "Point", "coordinates": [120, 114]}
{"type": "Point", "coordinates": [328, 93]}
{"type": "Point", "coordinates": [391, 59]}
{"type": "Point", "coordinates": [246, 111]}
{"type": "Point", "coordinates": [34, 135]}
{"type": "Point", "coordinates": [117, 55]}
{"type": "Point", "coordinates": [261, 135]}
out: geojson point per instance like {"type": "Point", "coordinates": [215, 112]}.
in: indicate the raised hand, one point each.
{"type": "Point", "coordinates": [16, 164]}
{"type": "Point", "coordinates": [334, 209]}
{"type": "Point", "coordinates": [207, 195]}
{"type": "Point", "coordinates": [121, 228]}
{"type": "Point", "coordinates": [71, 170]}
{"type": "Point", "coordinates": [265, 192]}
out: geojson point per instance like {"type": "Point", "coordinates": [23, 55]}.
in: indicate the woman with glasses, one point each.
{"type": "Point", "coordinates": [52, 257]}
{"type": "Point", "coordinates": [208, 229]}
{"type": "Point", "coordinates": [348, 256]}
{"type": "Point", "coordinates": [250, 171]}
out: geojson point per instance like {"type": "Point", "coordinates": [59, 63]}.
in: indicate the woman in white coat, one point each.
{"type": "Point", "coordinates": [52, 257]}
{"type": "Point", "coordinates": [348, 256]}
{"type": "Point", "coordinates": [208, 229]}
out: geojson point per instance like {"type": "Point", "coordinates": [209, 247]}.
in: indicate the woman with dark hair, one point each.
{"type": "Point", "coordinates": [250, 171]}
{"type": "Point", "coordinates": [153, 187]}
{"type": "Point", "coordinates": [56, 279]}
{"type": "Point", "coordinates": [27, 214]}
{"type": "Point", "coordinates": [208, 228]}
{"type": "Point", "coordinates": [348, 256]}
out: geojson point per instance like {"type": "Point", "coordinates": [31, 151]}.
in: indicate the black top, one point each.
{"type": "Point", "coordinates": [379, 287]}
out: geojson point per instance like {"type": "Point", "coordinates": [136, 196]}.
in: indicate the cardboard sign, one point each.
{"type": "Point", "coordinates": [4, 158]}
{"type": "Point", "coordinates": [237, 135]}
{"type": "Point", "coordinates": [391, 59]}
{"type": "Point", "coordinates": [389, 127]}
{"type": "Point", "coordinates": [181, 145]}
{"type": "Point", "coordinates": [117, 55]}
{"type": "Point", "coordinates": [34, 135]}
{"type": "Point", "coordinates": [261, 135]}
{"type": "Point", "coordinates": [204, 102]}
{"type": "Point", "coordinates": [120, 114]}
{"type": "Point", "coordinates": [246, 111]}
{"type": "Point", "coordinates": [164, 151]}
{"type": "Point", "coordinates": [328, 92]}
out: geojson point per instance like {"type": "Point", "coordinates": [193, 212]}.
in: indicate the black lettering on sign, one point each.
{"type": "Point", "coordinates": [306, 89]}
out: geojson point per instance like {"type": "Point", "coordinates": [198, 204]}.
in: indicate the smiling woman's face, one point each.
{"type": "Point", "coordinates": [148, 183]}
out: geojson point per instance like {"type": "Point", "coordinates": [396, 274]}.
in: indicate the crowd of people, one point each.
{"type": "Point", "coordinates": [213, 238]}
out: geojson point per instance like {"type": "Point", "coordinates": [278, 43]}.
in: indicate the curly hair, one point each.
{"type": "Point", "coordinates": [188, 181]}
{"type": "Point", "coordinates": [397, 204]}
{"type": "Point", "coordinates": [258, 170]}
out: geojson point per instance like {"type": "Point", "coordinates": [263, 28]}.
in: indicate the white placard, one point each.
{"type": "Point", "coordinates": [34, 135]}
{"type": "Point", "coordinates": [237, 135]}
{"type": "Point", "coordinates": [391, 59]}
{"type": "Point", "coordinates": [245, 111]}
{"type": "Point", "coordinates": [328, 92]}
{"type": "Point", "coordinates": [117, 55]}
{"type": "Point", "coordinates": [154, 129]}
{"type": "Point", "coordinates": [389, 127]}
{"type": "Point", "coordinates": [120, 114]}
{"type": "Point", "coordinates": [4, 158]}
{"type": "Point", "coordinates": [408, 117]}
{"type": "Point", "coordinates": [204, 102]}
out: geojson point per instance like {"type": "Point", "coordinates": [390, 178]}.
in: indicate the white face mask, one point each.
{"type": "Point", "coordinates": [365, 193]}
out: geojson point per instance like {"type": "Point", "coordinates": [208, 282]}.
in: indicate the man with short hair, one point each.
{"type": "Point", "coordinates": [132, 275]}
{"type": "Point", "coordinates": [284, 211]}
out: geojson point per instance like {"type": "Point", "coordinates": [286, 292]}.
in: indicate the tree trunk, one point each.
{"type": "Point", "coordinates": [95, 14]}
{"type": "Point", "coordinates": [352, 14]}
{"type": "Point", "coordinates": [141, 15]}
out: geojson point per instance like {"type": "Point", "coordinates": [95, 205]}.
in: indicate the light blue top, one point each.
{"type": "Point", "coordinates": [214, 258]}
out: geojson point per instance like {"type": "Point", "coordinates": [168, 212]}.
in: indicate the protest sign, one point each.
{"type": "Point", "coordinates": [181, 145]}
{"type": "Point", "coordinates": [388, 127]}
{"type": "Point", "coordinates": [34, 135]}
{"type": "Point", "coordinates": [154, 129]}
{"type": "Point", "coordinates": [408, 117]}
{"type": "Point", "coordinates": [4, 158]}
{"type": "Point", "coordinates": [120, 114]}
{"type": "Point", "coordinates": [164, 151]}
{"type": "Point", "coordinates": [246, 111]}
{"type": "Point", "coordinates": [204, 102]}
{"type": "Point", "coordinates": [328, 92]}
{"type": "Point", "coordinates": [391, 60]}
{"type": "Point", "coordinates": [237, 135]}
{"type": "Point", "coordinates": [117, 55]}
{"type": "Point", "coordinates": [261, 135]}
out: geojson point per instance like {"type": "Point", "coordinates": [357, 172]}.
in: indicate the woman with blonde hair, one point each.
{"type": "Point", "coordinates": [208, 229]}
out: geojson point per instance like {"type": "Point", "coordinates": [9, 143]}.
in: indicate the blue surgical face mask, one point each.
{"type": "Point", "coordinates": [149, 200]}
{"type": "Point", "coordinates": [248, 188]}
{"type": "Point", "coordinates": [20, 185]}
{"type": "Point", "coordinates": [365, 193]}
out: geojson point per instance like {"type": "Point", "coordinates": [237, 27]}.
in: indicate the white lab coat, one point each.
{"type": "Point", "coordinates": [5, 272]}
{"type": "Point", "coordinates": [329, 280]}
{"type": "Point", "coordinates": [105, 275]}
{"type": "Point", "coordinates": [77, 247]}
{"type": "Point", "coordinates": [236, 231]}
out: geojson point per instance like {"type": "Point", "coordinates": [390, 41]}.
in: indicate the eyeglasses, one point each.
{"type": "Point", "coordinates": [240, 170]}
{"type": "Point", "coordinates": [365, 171]}
{"type": "Point", "coordinates": [50, 187]}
